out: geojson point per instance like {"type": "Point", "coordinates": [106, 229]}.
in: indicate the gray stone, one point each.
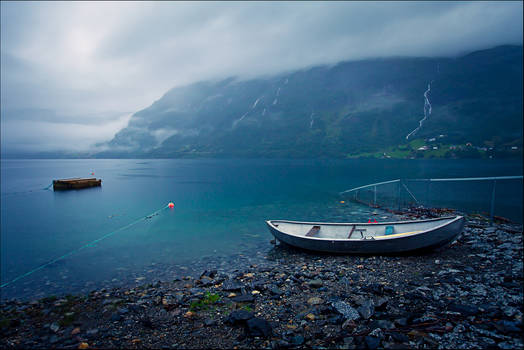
{"type": "Point", "coordinates": [115, 317]}
{"type": "Point", "coordinates": [258, 327]}
{"type": "Point", "coordinates": [54, 327]}
{"type": "Point", "coordinates": [231, 286]}
{"type": "Point", "coordinates": [384, 324]}
{"type": "Point", "coordinates": [243, 298]}
{"type": "Point", "coordinates": [239, 317]}
{"type": "Point", "coordinates": [506, 345]}
{"type": "Point", "coordinates": [367, 309]}
{"type": "Point", "coordinates": [402, 321]}
{"type": "Point", "coordinates": [372, 342]}
{"type": "Point", "coordinates": [466, 310]}
{"type": "Point", "coordinates": [377, 333]}
{"type": "Point", "coordinates": [209, 322]}
{"type": "Point", "coordinates": [93, 331]}
{"type": "Point", "coordinates": [315, 283]}
{"type": "Point", "coordinates": [53, 339]}
{"type": "Point", "coordinates": [276, 291]}
{"type": "Point", "coordinates": [315, 301]}
{"type": "Point", "coordinates": [297, 340]}
{"type": "Point", "coordinates": [380, 303]}
{"type": "Point", "coordinates": [506, 327]}
{"type": "Point", "coordinates": [122, 310]}
{"type": "Point", "coordinates": [346, 310]}
{"type": "Point", "coordinates": [399, 337]}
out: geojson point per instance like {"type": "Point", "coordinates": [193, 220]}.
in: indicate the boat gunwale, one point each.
{"type": "Point", "coordinates": [454, 218]}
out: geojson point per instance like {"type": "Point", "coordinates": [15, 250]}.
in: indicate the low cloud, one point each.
{"type": "Point", "coordinates": [46, 136]}
{"type": "Point", "coordinates": [99, 60]}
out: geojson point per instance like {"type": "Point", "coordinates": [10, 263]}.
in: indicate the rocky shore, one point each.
{"type": "Point", "coordinates": [466, 295]}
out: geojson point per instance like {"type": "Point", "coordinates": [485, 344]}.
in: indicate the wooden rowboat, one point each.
{"type": "Point", "coordinates": [371, 238]}
{"type": "Point", "coordinates": [76, 183]}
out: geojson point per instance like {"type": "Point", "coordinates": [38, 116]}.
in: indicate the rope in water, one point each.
{"type": "Point", "coordinates": [83, 247]}
{"type": "Point", "coordinates": [28, 191]}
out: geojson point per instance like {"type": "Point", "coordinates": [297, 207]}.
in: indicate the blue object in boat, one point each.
{"type": "Point", "coordinates": [389, 230]}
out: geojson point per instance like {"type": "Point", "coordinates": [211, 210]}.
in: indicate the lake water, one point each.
{"type": "Point", "coordinates": [219, 213]}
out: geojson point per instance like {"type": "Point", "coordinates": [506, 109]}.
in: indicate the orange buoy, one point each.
{"type": "Point", "coordinates": [342, 202]}
{"type": "Point", "coordinates": [171, 205]}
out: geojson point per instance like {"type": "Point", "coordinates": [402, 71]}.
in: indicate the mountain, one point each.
{"type": "Point", "coordinates": [335, 111]}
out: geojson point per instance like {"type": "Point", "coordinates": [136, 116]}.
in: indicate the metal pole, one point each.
{"type": "Point", "coordinates": [427, 194]}
{"type": "Point", "coordinates": [398, 194]}
{"type": "Point", "coordinates": [492, 211]}
{"type": "Point", "coordinates": [411, 194]}
{"type": "Point", "coordinates": [374, 195]}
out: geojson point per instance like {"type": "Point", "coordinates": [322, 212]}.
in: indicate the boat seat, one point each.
{"type": "Point", "coordinates": [353, 229]}
{"type": "Point", "coordinates": [314, 230]}
{"type": "Point", "coordinates": [361, 230]}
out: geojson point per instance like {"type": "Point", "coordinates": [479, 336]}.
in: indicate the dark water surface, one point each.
{"type": "Point", "coordinates": [220, 208]}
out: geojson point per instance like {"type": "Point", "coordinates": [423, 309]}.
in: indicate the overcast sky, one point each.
{"type": "Point", "coordinates": [73, 72]}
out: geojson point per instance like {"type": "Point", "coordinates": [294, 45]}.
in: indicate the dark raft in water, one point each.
{"type": "Point", "coordinates": [76, 183]}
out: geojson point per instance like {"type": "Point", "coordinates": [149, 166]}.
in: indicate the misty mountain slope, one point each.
{"type": "Point", "coordinates": [335, 110]}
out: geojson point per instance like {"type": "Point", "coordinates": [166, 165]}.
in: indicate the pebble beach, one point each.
{"type": "Point", "coordinates": [468, 294]}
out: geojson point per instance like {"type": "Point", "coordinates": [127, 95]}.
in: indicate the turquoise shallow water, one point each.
{"type": "Point", "coordinates": [220, 208]}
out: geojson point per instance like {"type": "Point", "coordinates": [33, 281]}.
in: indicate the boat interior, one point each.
{"type": "Point", "coordinates": [357, 231]}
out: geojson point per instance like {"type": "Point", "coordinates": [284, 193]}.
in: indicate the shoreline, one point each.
{"type": "Point", "coordinates": [468, 294]}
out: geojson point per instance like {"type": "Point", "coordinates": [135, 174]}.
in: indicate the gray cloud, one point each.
{"type": "Point", "coordinates": [88, 63]}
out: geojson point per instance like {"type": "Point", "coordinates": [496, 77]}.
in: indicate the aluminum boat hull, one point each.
{"type": "Point", "coordinates": [445, 230]}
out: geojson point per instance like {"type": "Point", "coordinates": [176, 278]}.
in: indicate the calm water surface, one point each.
{"type": "Point", "coordinates": [220, 208]}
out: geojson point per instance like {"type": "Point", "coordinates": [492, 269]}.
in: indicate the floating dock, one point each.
{"type": "Point", "coordinates": [76, 183]}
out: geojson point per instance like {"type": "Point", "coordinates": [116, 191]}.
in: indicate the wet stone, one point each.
{"type": "Point", "coordinates": [231, 286]}
{"type": "Point", "coordinates": [380, 303]}
{"type": "Point", "coordinates": [53, 339]}
{"type": "Point", "coordinates": [346, 310]}
{"type": "Point", "coordinates": [372, 342]}
{"type": "Point", "coordinates": [146, 322]}
{"type": "Point", "coordinates": [315, 301]}
{"type": "Point", "coordinates": [91, 333]}
{"type": "Point", "coordinates": [297, 340]}
{"type": "Point", "coordinates": [14, 323]}
{"type": "Point", "coordinates": [209, 322]}
{"type": "Point", "coordinates": [54, 327]}
{"type": "Point", "coordinates": [258, 327]}
{"type": "Point", "coordinates": [402, 322]}
{"type": "Point", "coordinates": [399, 337]}
{"type": "Point", "coordinates": [316, 283]}
{"type": "Point", "coordinates": [423, 319]}
{"type": "Point", "coordinates": [116, 317]}
{"type": "Point", "coordinates": [384, 324]}
{"type": "Point", "coordinates": [367, 309]}
{"type": "Point", "coordinates": [508, 327]}
{"type": "Point", "coordinates": [239, 317]}
{"type": "Point", "coordinates": [243, 298]}
{"type": "Point", "coordinates": [276, 291]}
{"type": "Point", "coordinates": [467, 310]}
